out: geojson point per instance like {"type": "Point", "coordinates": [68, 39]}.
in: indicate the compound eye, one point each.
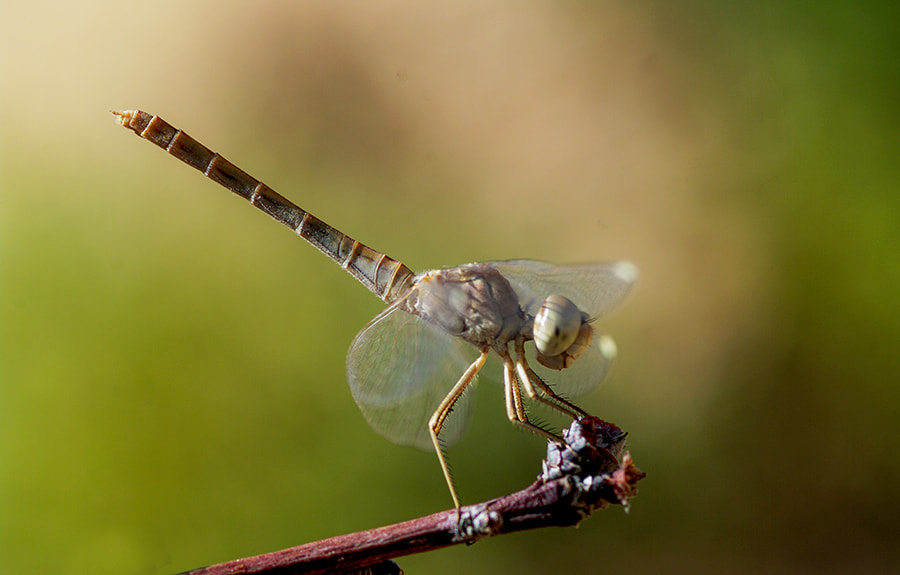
{"type": "Point", "coordinates": [556, 325]}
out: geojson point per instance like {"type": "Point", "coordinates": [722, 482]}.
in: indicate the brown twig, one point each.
{"type": "Point", "coordinates": [591, 471]}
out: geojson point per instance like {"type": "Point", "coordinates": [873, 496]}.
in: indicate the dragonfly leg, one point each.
{"type": "Point", "coordinates": [515, 409]}
{"type": "Point", "coordinates": [436, 423]}
{"type": "Point", "coordinates": [538, 390]}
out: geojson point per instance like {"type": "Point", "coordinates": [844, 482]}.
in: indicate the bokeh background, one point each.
{"type": "Point", "coordinates": [172, 389]}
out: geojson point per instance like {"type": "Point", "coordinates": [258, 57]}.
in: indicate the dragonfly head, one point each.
{"type": "Point", "coordinates": [561, 332]}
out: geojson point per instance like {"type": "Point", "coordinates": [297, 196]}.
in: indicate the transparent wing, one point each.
{"type": "Point", "coordinates": [400, 368]}
{"type": "Point", "coordinates": [596, 289]}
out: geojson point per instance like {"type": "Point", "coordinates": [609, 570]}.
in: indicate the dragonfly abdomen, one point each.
{"type": "Point", "coordinates": [385, 277]}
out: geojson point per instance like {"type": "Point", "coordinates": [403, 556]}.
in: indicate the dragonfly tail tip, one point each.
{"type": "Point", "coordinates": [123, 116]}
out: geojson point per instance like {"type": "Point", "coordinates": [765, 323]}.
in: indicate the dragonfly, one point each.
{"type": "Point", "coordinates": [413, 363]}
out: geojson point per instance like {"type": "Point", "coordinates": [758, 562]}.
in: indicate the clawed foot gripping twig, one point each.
{"type": "Point", "coordinates": [590, 472]}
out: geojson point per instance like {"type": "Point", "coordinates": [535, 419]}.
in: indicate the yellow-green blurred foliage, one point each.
{"type": "Point", "coordinates": [172, 388]}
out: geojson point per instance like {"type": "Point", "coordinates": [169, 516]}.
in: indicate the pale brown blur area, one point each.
{"type": "Point", "coordinates": [172, 389]}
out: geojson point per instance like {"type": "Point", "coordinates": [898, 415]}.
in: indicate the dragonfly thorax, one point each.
{"type": "Point", "coordinates": [474, 302]}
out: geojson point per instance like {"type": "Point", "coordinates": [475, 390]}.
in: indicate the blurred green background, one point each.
{"type": "Point", "coordinates": [172, 389]}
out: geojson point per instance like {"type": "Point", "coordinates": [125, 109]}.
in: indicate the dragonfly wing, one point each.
{"type": "Point", "coordinates": [400, 368]}
{"type": "Point", "coordinates": [595, 288]}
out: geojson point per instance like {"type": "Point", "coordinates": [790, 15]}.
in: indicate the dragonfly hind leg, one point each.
{"type": "Point", "coordinates": [538, 390]}
{"type": "Point", "coordinates": [436, 423]}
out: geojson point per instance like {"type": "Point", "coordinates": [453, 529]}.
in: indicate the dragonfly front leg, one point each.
{"type": "Point", "coordinates": [436, 423]}
{"type": "Point", "coordinates": [515, 409]}
{"type": "Point", "coordinates": [540, 391]}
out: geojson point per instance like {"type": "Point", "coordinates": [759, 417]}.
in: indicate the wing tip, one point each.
{"type": "Point", "coordinates": [608, 348]}
{"type": "Point", "coordinates": [626, 271]}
